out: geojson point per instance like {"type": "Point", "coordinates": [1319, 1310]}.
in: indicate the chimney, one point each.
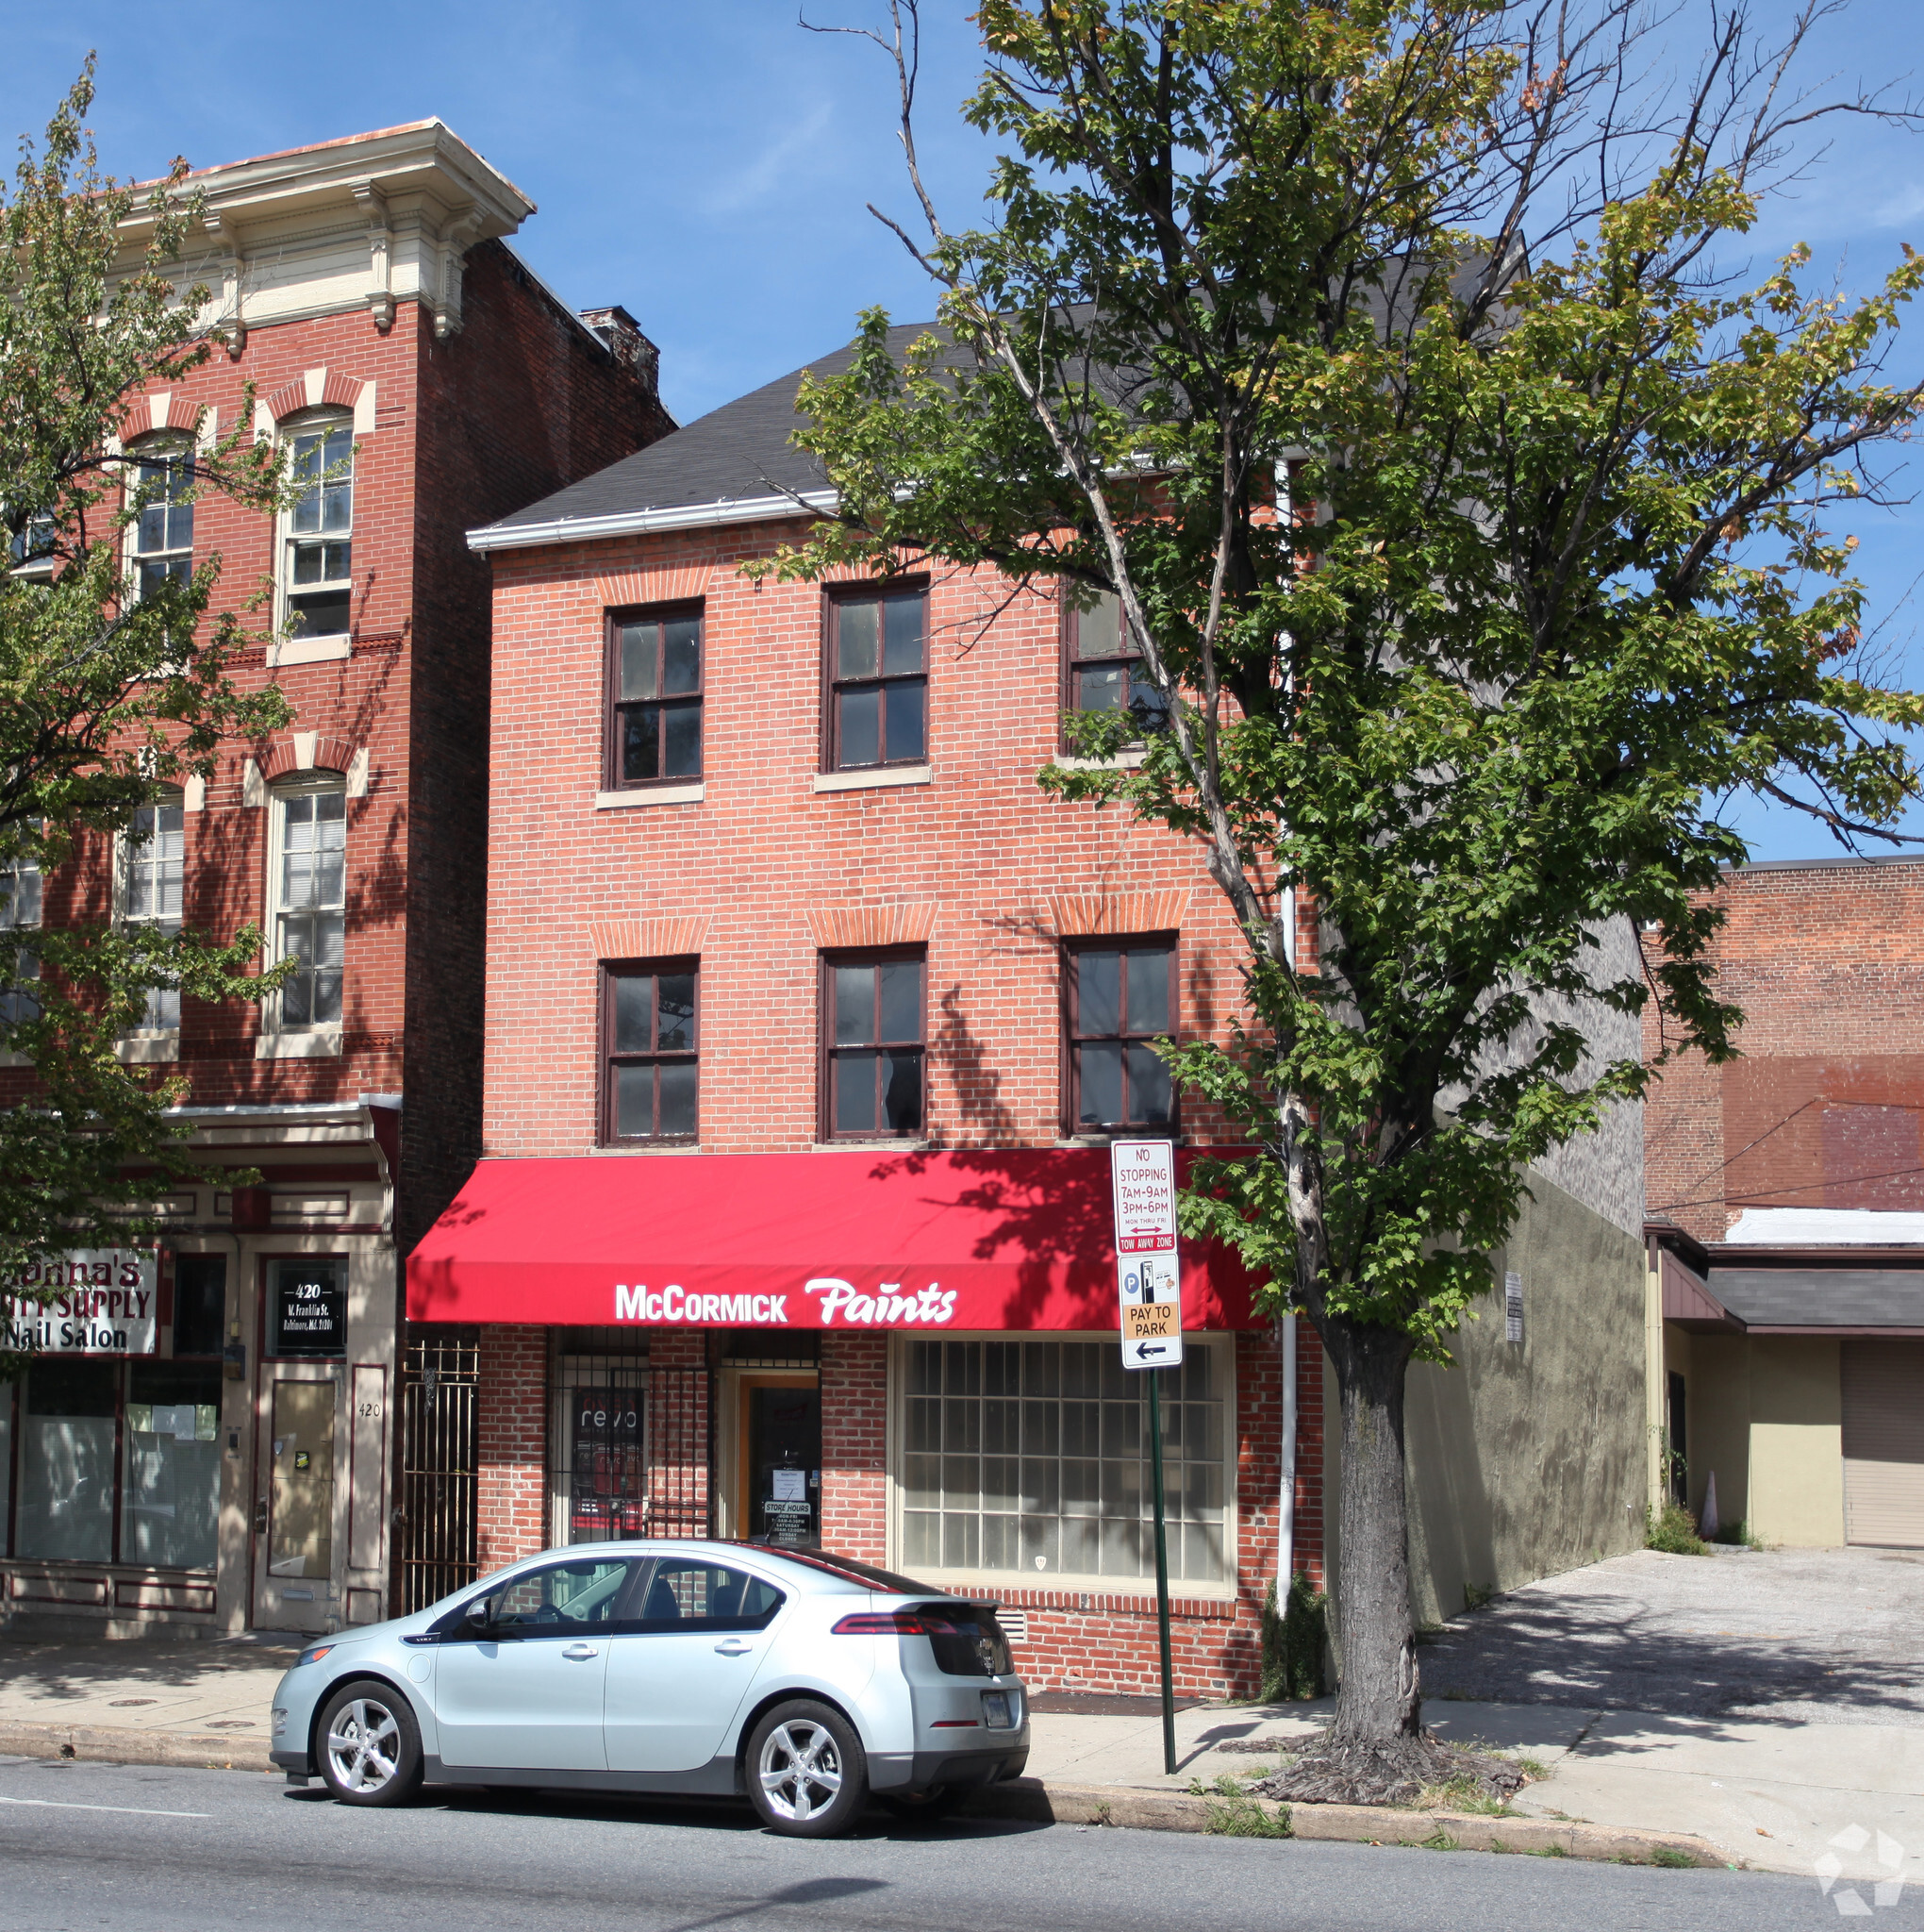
{"type": "Point", "coordinates": [625, 343]}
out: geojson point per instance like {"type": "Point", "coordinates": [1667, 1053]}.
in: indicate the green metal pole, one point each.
{"type": "Point", "coordinates": [1162, 1573]}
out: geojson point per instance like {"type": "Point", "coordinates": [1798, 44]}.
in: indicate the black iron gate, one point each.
{"type": "Point", "coordinates": [436, 1509]}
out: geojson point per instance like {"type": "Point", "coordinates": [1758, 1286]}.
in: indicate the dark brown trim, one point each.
{"type": "Point", "coordinates": [612, 621]}
{"type": "Point", "coordinates": [826, 1052]}
{"type": "Point", "coordinates": [1071, 953]}
{"type": "Point", "coordinates": [610, 970]}
{"type": "Point", "coordinates": [834, 597]}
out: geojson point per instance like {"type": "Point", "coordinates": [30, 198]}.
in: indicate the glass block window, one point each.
{"type": "Point", "coordinates": [656, 698]}
{"type": "Point", "coordinates": [1033, 1458]}
{"type": "Point", "coordinates": [319, 546]}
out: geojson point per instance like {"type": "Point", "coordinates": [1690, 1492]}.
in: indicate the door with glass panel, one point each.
{"type": "Point", "coordinates": [520, 1688]}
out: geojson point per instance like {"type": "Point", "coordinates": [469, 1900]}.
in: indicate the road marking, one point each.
{"type": "Point", "coordinates": [132, 1810]}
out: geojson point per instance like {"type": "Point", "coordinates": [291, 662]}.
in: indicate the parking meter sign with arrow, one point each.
{"type": "Point", "coordinates": [1142, 1175]}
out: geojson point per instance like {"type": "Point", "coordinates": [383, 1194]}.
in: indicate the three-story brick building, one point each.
{"type": "Point", "coordinates": [234, 1461]}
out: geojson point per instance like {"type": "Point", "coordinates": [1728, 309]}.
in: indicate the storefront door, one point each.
{"type": "Point", "coordinates": [781, 1459]}
{"type": "Point", "coordinates": [295, 1509]}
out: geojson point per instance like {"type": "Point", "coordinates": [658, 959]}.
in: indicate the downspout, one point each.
{"type": "Point", "coordinates": [1285, 1509]}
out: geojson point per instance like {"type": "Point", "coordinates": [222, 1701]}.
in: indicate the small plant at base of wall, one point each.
{"type": "Point", "coordinates": [1293, 1643]}
{"type": "Point", "coordinates": [1674, 1531]}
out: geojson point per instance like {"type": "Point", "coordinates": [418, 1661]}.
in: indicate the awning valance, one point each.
{"type": "Point", "coordinates": [916, 1242]}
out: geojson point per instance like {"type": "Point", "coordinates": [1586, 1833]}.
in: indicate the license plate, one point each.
{"type": "Point", "coordinates": [995, 1710]}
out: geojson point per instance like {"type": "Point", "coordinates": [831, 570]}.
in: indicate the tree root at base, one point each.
{"type": "Point", "coordinates": [1397, 1771]}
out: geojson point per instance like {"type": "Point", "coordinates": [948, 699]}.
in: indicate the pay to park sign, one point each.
{"type": "Point", "coordinates": [94, 1300]}
{"type": "Point", "coordinates": [1148, 1275]}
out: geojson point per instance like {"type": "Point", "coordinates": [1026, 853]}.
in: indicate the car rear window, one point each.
{"type": "Point", "coordinates": [972, 1646]}
{"type": "Point", "coordinates": [850, 1571]}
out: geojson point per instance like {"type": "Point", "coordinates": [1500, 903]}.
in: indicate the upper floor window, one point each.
{"type": "Point", "coordinates": [33, 547]}
{"type": "Point", "coordinates": [20, 913]}
{"type": "Point", "coordinates": [649, 1051]}
{"type": "Point", "coordinates": [319, 580]}
{"type": "Point", "coordinates": [655, 699]}
{"type": "Point", "coordinates": [1119, 1000]}
{"type": "Point", "coordinates": [162, 530]}
{"type": "Point", "coordinates": [878, 685]}
{"type": "Point", "coordinates": [1104, 669]}
{"type": "Point", "coordinates": [308, 909]}
{"type": "Point", "coordinates": [149, 875]}
{"type": "Point", "coordinates": [873, 1044]}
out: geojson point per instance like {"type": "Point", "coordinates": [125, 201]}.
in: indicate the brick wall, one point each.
{"type": "Point", "coordinates": [854, 1445]}
{"type": "Point", "coordinates": [1823, 1108]}
{"type": "Point", "coordinates": [511, 1408]}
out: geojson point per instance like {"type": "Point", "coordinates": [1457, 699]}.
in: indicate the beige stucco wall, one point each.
{"type": "Point", "coordinates": [1530, 1459]}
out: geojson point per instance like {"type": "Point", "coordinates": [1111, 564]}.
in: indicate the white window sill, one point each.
{"type": "Point", "coordinates": [309, 650]}
{"type": "Point", "coordinates": [137, 1047]}
{"type": "Point", "coordinates": [320, 1044]}
{"type": "Point", "coordinates": [872, 780]}
{"type": "Point", "coordinates": [1128, 759]}
{"type": "Point", "coordinates": [692, 793]}
{"type": "Point", "coordinates": [881, 1143]}
{"type": "Point", "coordinates": [1071, 1585]}
{"type": "Point", "coordinates": [9, 1058]}
{"type": "Point", "coordinates": [673, 1147]}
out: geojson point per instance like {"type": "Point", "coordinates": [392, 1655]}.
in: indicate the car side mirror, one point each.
{"type": "Point", "coordinates": [474, 1618]}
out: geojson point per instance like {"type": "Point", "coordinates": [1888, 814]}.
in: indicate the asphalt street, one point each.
{"type": "Point", "coordinates": [150, 1850]}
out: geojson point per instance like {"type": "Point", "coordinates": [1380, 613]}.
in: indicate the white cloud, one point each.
{"type": "Point", "coordinates": [768, 171]}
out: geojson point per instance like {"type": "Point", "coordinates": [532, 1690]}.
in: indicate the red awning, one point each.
{"type": "Point", "coordinates": [952, 1241]}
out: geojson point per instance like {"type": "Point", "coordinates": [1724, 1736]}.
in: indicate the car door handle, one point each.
{"type": "Point", "coordinates": [733, 1646]}
{"type": "Point", "coordinates": [580, 1652]}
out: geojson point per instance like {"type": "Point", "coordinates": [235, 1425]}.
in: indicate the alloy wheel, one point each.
{"type": "Point", "coordinates": [364, 1745]}
{"type": "Point", "coordinates": [801, 1770]}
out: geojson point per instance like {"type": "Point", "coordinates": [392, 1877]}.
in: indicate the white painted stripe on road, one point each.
{"type": "Point", "coordinates": [132, 1810]}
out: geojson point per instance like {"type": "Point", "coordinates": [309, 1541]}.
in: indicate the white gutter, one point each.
{"type": "Point", "coordinates": [1285, 1513]}
{"type": "Point", "coordinates": [635, 523]}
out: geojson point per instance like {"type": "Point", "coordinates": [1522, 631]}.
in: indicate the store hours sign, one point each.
{"type": "Point", "coordinates": [94, 1301]}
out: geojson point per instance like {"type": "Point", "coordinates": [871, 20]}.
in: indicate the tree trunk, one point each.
{"type": "Point", "coordinates": [1378, 1702]}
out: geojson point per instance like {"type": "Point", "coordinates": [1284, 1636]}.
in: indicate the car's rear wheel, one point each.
{"type": "Point", "coordinates": [920, 1807]}
{"type": "Point", "coordinates": [808, 1774]}
{"type": "Point", "coordinates": [370, 1745]}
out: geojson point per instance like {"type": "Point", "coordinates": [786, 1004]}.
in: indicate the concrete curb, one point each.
{"type": "Point", "coordinates": [113, 1744]}
{"type": "Point", "coordinates": [1141, 1809]}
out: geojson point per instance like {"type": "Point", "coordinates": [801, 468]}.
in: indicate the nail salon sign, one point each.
{"type": "Point", "coordinates": [94, 1300]}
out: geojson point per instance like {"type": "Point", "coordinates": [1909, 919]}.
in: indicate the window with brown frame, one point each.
{"type": "Point", "coordinates": [649, 1051]}
{"type": "Point", "coordinates": [872, 1028]}
{"type": "Point", "coordinates": [878, 687]}
{"type": "Point", "coordinates": [1103, 670]}
{"type": "Point", "coordinates": [655, 696]}
{"type": "Point", "coordinates": [1119, 996]}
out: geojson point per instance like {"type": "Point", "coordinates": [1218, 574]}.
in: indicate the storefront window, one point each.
{"type": "Point", "coordinates": [172, 1480]}
{"type": "Point", "coordinates": [307, 1310]}
{"type": "Point", "coordinates": [66, 1459]}
{"type": "Point", "coordinates": [600, 1401]}
{"type": "Point", "coordinates": [1033, 1457]}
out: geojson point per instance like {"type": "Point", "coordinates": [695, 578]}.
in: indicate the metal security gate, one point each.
{"type": "Point", "coordinates": [632, 1446]}
{"type": "Point", "coordinates": [1884, 1443]}
{"type": "Point", "coordinates": [435, 1525]}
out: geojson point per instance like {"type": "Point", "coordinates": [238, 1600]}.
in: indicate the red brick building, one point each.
{"type": "Point", "coordinates": [810, 1023]}
{"type": "Point", "coordinates": [1786, 1197]}
{"type": "Point", "coordinates": [233, 1463]}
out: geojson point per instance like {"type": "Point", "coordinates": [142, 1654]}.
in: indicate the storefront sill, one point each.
{"type": "Point", "coordinates": [882, 1143]}
{"type": "Point", "coordinates": [1097, 1597]}
{"type": "Point", "coordinates": [644, 1152]}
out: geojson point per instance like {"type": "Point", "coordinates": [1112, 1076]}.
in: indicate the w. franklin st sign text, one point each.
{"type": "Point", "coordinates": [97, 1301]}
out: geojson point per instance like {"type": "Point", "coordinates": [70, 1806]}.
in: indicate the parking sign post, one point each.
{"type": "Point", "coordinates": [1148, 1284]}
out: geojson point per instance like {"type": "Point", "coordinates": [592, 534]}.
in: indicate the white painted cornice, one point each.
{"type": "Point", "coordinates": [637, 522]}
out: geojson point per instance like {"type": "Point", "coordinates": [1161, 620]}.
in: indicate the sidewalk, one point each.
{"type": "Point", "coordinates": [1767, 1792]}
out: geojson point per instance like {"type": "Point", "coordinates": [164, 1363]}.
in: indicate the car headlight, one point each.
{"type": "Point", "coordinates": [312, 1655]}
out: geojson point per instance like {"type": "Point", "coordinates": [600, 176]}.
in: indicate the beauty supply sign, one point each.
{"type": "Point", "coordinates": [94, 1300]}
{"type": "Point", "coordinates": [1149, 1271]}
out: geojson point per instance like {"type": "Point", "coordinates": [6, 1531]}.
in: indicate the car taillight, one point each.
{"type": "Point", "coordinates": [893, 1623]}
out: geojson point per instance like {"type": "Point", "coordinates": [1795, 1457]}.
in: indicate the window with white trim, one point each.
{"type": "Point", "coordinates": [1032, 1457]}
{"type": "Point", "coordinates": [317, 579]}
{"type": "Point", "coordinates": [307, 902]}
{"type": "Point", "coordinates": [150, 870]}
{"type": "Point", "coordinates": [20, 913]}
{"type": "Point", "coordinates": [160, 538]}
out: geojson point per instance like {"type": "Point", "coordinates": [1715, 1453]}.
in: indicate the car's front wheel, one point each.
{"type": "Point", "coordinates": [808, 1774]}
{"type": "Point", "coordinates": [370, 1745]}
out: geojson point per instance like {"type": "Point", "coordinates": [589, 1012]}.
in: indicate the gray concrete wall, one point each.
{"type": "Point", "coordinates": [1528, 1458]}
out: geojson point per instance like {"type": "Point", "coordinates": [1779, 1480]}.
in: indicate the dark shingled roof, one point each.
{"type": "Point", "coordinates": [1822, 1297]}
{"type": "Point", "coordinates": [739, 450]}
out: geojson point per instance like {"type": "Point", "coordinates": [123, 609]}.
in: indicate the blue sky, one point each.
{"type": "Point", "coordinates": [708, 165]}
